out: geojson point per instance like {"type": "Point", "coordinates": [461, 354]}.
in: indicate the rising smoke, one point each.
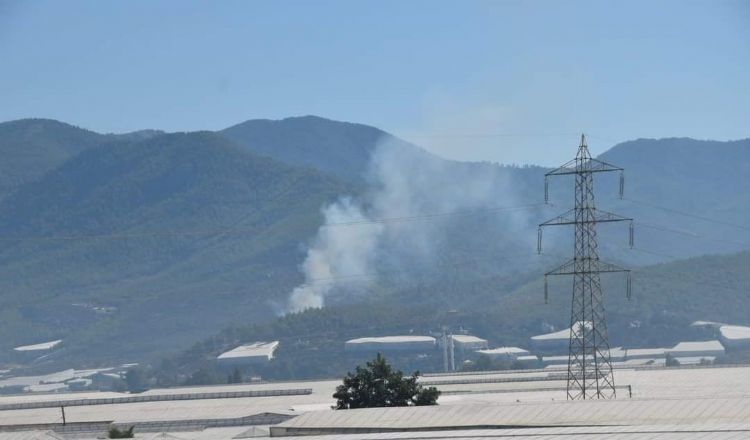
{"type": "Point", "coordinates": [404, 181]}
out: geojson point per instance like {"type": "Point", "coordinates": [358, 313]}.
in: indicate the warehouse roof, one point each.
{"type": "Point", "coordinates": [256, 349]}
{"type": "Point", "coordinates": [392, 339]}
{"type": "Point", "coordinates": [39, 347]}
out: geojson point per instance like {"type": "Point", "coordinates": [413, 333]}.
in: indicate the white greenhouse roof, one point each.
{"type": "Point", "coordinates": [562, 334]}
{"type": "Point", "coordinates": [40, 346]}
{"type": "Point", "coordinates": [697, 346]}
{"type": "Point", "coordinates": [509, 351]}
{"type": "Point", "coordinates": [468, 339]}
{"type": "Point", "coordinates": [391, 339]}
{"type": "Point", "coordinates": [735, 332]}
{"type": "Point", "coordinates": [256, 349]}
{"type": "Point", "coordinates": [489, 389]}
{"type": "Point", "coordinates": [631, 412]}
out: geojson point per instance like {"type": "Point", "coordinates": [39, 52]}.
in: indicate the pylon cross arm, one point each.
{"type": "Point", "coordinates": [598, 216]}
{"type": "Point", "coordinates": [586, 166]}
{"type": "Point", "coordinates": [569, 268]}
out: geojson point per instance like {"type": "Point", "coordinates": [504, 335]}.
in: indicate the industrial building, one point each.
{"type": "Point", "coordinates": [391, 343]}
{"type": "Point", "coordinates": [248, 354]}
{"type": "Point", "coordinates": [469, 343]}
{"type": "Point", "coordinates": [697, 349]}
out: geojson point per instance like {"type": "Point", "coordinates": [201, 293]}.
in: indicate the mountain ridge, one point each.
{"type": "Point", "coordinates": [203, 243]}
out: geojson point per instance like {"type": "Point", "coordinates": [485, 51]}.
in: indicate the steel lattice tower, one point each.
{"type": "Point", "coordinates": [589, 365]}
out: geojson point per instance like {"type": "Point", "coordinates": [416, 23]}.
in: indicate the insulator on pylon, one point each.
{"type": "Point", "coordinates": [546, 291]}
{"type": "Point", "coordinates": [622, 184]}
{"type": "Point", "coordinates": [539, 241]}
{"type": "Point", "coordinates": [631, 234]}
{"type": "Point", "coordinates": [546, 189]}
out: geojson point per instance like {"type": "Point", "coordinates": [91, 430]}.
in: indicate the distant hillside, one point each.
{"type": "Point", "coordinates": [339, 148]}
{"type": "Point", "coordinates": [181, 233]}
{"type": "Point", "coordinates": [666, 299]}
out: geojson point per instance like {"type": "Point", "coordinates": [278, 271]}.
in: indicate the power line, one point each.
{"type": "Point", "coordinates": [687, 214]}
{"type": "Point", "coordinates": [232, 229]}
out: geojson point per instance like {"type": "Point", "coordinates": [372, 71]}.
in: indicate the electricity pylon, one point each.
{"type": "Point", "coordinates": [589, 364]}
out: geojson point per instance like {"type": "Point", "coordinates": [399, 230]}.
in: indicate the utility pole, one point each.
{"type": "Point", "coordinates": [589, 364]}
{"type": "Point", "coordinates": [451, 353]}
{"type": "Point", "coordinates": [445, 350]}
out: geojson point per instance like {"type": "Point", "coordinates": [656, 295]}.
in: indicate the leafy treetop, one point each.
{"type": "Point", "coordinates": [378, 385]}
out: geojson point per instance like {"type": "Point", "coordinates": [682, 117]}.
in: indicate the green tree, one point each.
{"type": "Point", "coordinates": [235, 377]}
{"type": "Point", "coordinates": [120, 433]}
{"type": "Point", "coordinates": [379, 385]}
{"type": "Point", "coordinates": [136, 380]}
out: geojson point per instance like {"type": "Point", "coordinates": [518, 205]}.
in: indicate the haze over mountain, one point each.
{"type": "Point", "coordinates": [127, 246]}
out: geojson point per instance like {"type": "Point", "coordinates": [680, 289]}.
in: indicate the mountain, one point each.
{"type": "Point", "coordinates": [31, 147]}
{"type": "Point", "coordinates": [339, 148]}
{"type": "Point", "coordinates": [689, 197]}
{"type": "Point", "coordinates": [130, 246]}
{"type": "Point", "coordinates": [174, 236]}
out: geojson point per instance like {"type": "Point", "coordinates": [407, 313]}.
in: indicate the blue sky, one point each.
{"type": "Point", "coordinates": [505, 81]}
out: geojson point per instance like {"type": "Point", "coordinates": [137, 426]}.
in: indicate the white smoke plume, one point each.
{"type": "Point", "coordinates": [336, 252]}
{"type": "Point", "coordinates": [403, 182]}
